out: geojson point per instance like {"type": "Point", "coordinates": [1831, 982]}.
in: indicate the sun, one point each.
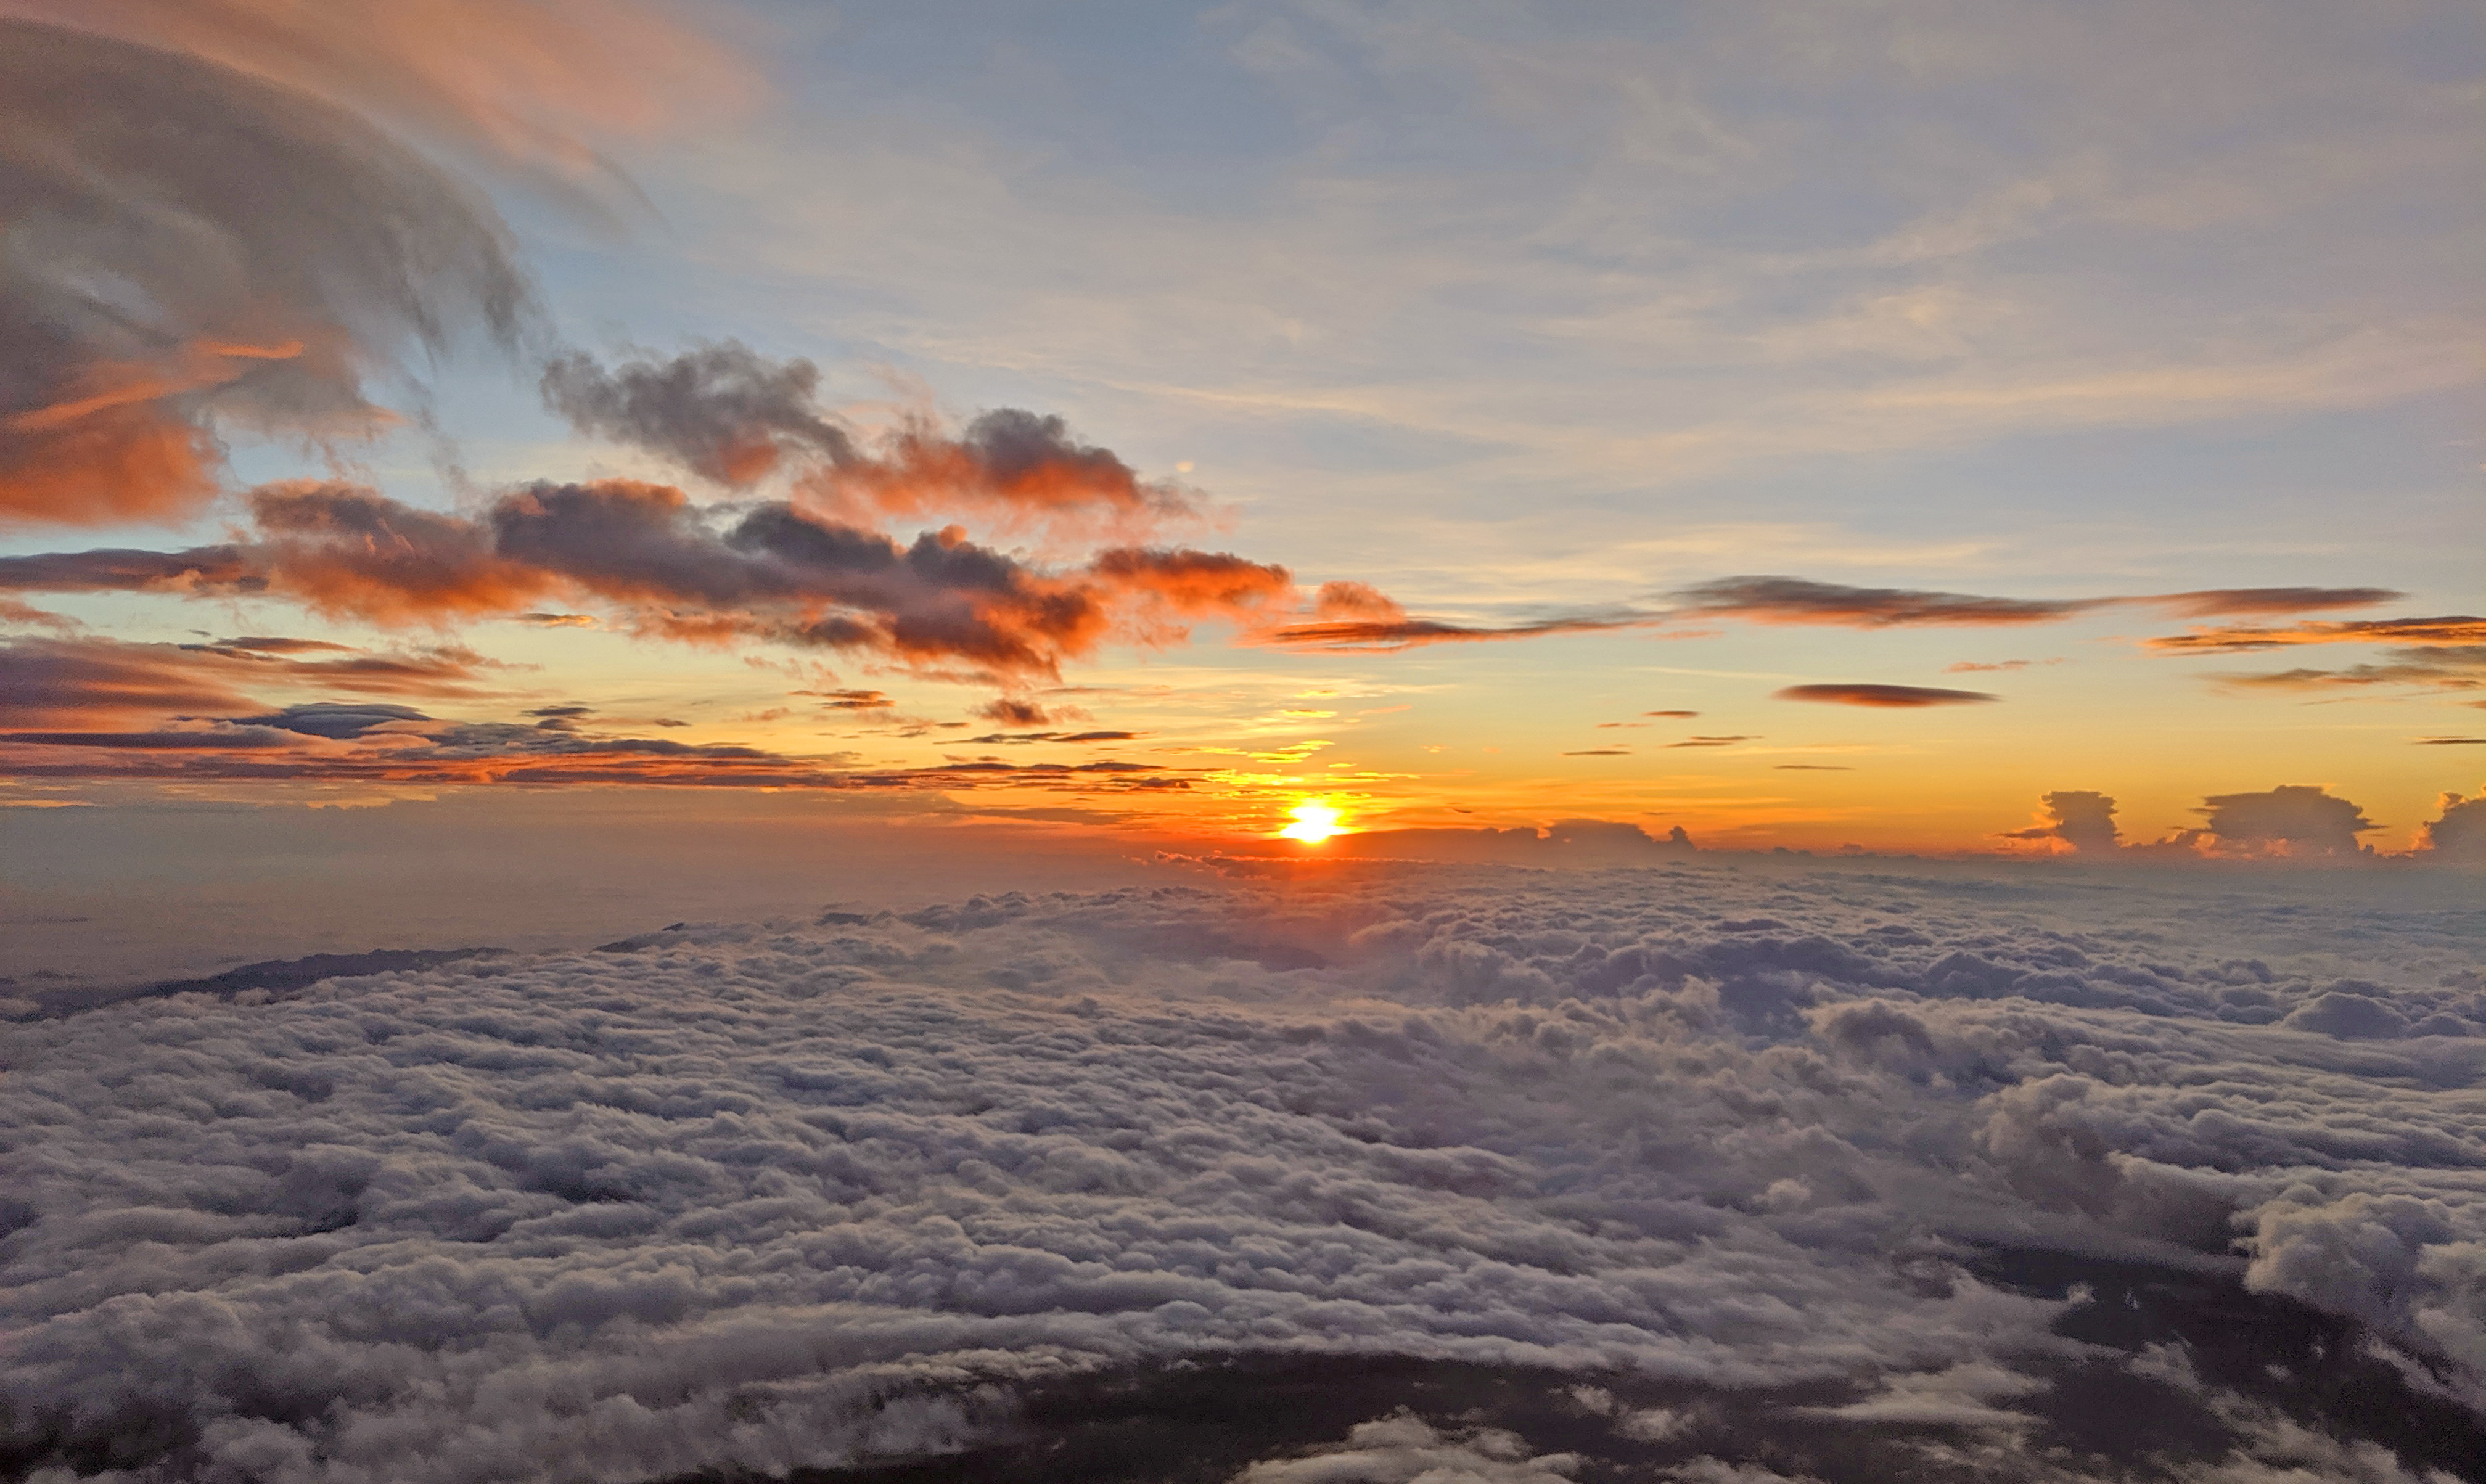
{"type": "Point", "coordinates": [1314, 822]}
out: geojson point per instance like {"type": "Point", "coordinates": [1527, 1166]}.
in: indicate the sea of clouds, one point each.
{"type": "Point", "coordinates": [1744, 1170]}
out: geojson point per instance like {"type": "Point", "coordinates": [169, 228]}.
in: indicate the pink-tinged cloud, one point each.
{"type": "Point", "coordinates": [1893, 697]}
{"type": "Point", "coordinates": [529, 85]}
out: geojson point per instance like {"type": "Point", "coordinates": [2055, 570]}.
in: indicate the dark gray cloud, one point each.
{"type": "Point", "coordinates": [722, 411]}
{"type": "Point", "coordinates": [338, 720]}
{"type": "Point", "coordinates": [1801, 600]}
{"type": "Point", "coordinates": [2218, 602]}
{"type": "Point", "coordinates": [2079, 817]}
{"type": "Point", "coordinates": [2459, 832]}
{"type": "Point", "coordinates": [1888, 696]}
{"type": "Point", "coordinates": [189, 248]}
{"type": "Point", "coordinates": [2293, 818]}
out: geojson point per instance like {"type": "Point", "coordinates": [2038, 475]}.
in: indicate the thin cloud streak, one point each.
{"type": "Point", "coordinates": [1885, 697]}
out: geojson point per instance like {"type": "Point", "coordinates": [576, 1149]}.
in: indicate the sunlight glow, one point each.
{"type": "Point", "coordinates": [1314, 822]}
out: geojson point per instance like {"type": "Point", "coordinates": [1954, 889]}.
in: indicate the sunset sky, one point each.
{"type": "Point", "coordinates": [1816, 427]}
{"type": "Point", "coordinates": [1261, 742]}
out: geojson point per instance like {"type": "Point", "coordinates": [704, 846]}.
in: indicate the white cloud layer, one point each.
{"type": "Point", "coordinates": [762, 1198]}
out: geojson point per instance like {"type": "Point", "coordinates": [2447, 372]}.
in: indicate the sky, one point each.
{"type": "Point", "coordinates": [1888, 429]}
{"type": "Point", "coordinates": [1266, 743]}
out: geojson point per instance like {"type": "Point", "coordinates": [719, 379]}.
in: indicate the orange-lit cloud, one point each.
{"type": "Point", "coordinates": [83, 682]}
{"type": "Point", "coordinates": [188, 249]}
{"type": "Point", "coordinates": [767, 572]}
{"type": "Point", "coordinates": [97, 709]}
{"type": "Point", "coordinates": [2239, 638]}
{"type": "Point", "coordinates": [1353, 636]}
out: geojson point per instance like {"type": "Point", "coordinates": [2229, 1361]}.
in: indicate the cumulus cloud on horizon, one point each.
{"type": "Point", "coordinates": [800, 1195]}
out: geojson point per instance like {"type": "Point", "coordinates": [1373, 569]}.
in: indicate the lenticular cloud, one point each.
{"type": "Point", "coordinates": [1701, 1173]}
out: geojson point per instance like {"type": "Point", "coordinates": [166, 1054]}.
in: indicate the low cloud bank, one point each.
{"type": "Point", "coordinates": [765, 1197]}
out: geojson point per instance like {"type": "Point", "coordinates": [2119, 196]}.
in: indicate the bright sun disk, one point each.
{"type": "Point", "coordinates": [1314, 822]}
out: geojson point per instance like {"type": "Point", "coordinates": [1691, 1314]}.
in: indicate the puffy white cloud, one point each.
{"type": "Point", "coordinates": [761, 1197]}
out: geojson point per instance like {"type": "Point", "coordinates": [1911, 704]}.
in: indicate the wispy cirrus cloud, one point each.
{"type": "Point", "coordinates": [2447, 668]}
{"type": "Point", "coordinates": [565, 76]}
{"type": "Point", "coordinates": [268, 254]}
{"type": "Point", "coordinates": [2452, 629]}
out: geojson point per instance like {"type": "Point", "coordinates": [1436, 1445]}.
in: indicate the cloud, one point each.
{"type": "Point", "coordinates": [193, 249]}
{"type": "Point", "coordinates": [2451, 630]}
{"type": "Point", "coordinates": [1403, 1449]}
{"type": "Point", "coordinates": [2293, 819]}
{"type": "Point", "coordinates": [1812, 767]}
{"type": "Point", "coordinates": [339, 721]}
{"type": "Point", "coordinates": [727, 413]}
{"type": "Point", "coordinates": [2449, 668]}
{"type": "Point", "coordinates": [1566, 844]}
{"type": "Point", "coordinates": [722, 411]}
{"type": "Point", "coordinates": [1800, 600]}
{"type": "Point", "coordinates": [1354, 636]}
{"type": "Point", "coordinates": [1685, 715]}
{"type": "Point", "coordinates": [2459, 833]}
{"type": "Point", "coordinates": [2451, 741]}
{"type": "Point", "coordinates": [2080, 818]}
{"type": "Point", "coordinates": [1597, 1166]}
{"type": "Point", "coordinates": [564, 74]}
{"type": "Point", "coordinates": [2214, 602]}
{"type": "Point", "coordinates": [97, 709]}
{"type": "Point", "coordinates": [1351, 600]}
{"type": "Point", "coordinates": [1012, 712]}
{"type": "Point", "coordinates": [853, 700]}
{"type": "Point", "coordinates": [767, 571]}
{"type": "Point", "coordinates": [1861, 694]}
{"type": "Point", "coordinates": [1726, 741]}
